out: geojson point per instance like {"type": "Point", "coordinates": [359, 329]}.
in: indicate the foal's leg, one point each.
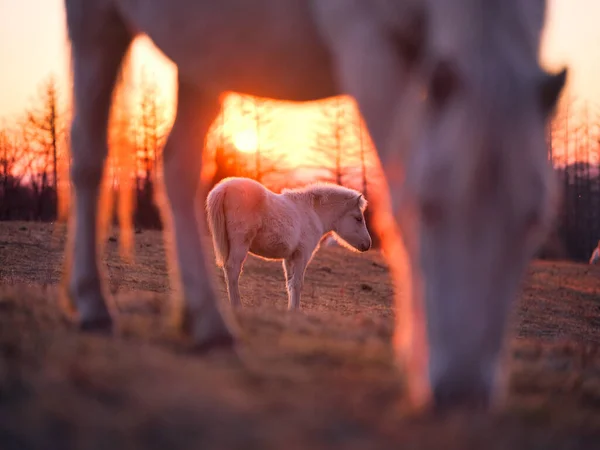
{"type": "Point", "coordinates": [182, 165]}
{"type": "Point", "coordinates": [233, 269]}
{"type": "Point", "coordinates": [97, 53]}
{"type": "Point", "coordinates": [294, 268]}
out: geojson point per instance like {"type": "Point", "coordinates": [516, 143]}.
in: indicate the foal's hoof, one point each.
{"type": "Point", "coordinates": [224, 342]}
{"type": "Point", "coordinates": [87, 308]}
{"type": "Point", "coordinates": [95, 318]}
{"type": "Point", "coordinates": [468, 396]}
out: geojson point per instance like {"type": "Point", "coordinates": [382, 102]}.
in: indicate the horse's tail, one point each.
{"type": "Point", "coordinates": [217, 223]}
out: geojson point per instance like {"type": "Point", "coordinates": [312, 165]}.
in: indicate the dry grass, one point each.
{"type": "Point", "coordinates": [323, 378]}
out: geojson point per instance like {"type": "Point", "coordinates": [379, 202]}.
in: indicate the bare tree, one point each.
{"type": "Point", "coordinates": [151, 125]}
{"type": "Point", "coordinates": [267, 160]}
{"type": "Point", "coordinates": [220, 160]}
{"type": "Point", "coordinates": [12, 156]}
{"type": "Point", "coordinates": [120, 170]}
{"type": "Point", "coordinates": [150, 129]}
{"type": "Point", "coordinates": [12, 163]}
{"type": "Point", "coordinates": [332, 141]}
{"type": "Point", "coordinates": [46, 125]}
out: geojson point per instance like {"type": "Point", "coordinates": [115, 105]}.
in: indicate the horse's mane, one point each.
{"type": "Point", "coordinates": [326, 194]}
{"type": "Point", "coordinates": [512, 27]}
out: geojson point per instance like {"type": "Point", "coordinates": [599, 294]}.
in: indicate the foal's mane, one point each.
{"type": "Point", "coordinates": [326, 194]}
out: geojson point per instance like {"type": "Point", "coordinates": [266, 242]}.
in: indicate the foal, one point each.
{"type": "Point", "coordinates": [244, 216]}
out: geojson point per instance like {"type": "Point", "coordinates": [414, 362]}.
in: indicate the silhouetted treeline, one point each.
{"type": "Point", "coordinates": [34, 159]}
{"type": "Point", "coordinates": [575, 152]}
{"type": "Point", "coordinates": [577, 228]}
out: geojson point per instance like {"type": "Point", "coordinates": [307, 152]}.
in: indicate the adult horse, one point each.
{"type": "Point", "coordinates": [455, 85]}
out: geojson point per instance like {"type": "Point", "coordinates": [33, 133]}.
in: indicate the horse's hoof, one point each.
{"type": "Point", "coordinates": [472, 396]}
{"type": "Point", "coordinates": [102, 324]}
{"type": "Point", "coordinates": [225, 342]}
{"type": "Point", "coordinates": [212, 334]}
{"type": "Point", "coordinates": [208, 331]}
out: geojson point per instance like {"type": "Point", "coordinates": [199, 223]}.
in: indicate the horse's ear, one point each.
{"type": "Point", "coordinates": [550, 90]}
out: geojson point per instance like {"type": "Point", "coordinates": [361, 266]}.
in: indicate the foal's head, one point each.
{"type": "Point", "coordinates": [350, 225]}
{"type": "Point", "coordinates": [479, 186]}
{"type": "Point", "coordinates": [344, 209]}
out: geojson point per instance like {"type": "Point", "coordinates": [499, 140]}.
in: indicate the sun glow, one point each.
{"type": "Point", "coordinates": [246, 141]}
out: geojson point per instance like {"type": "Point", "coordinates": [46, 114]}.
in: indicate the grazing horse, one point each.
{"type": "Point", "coordinates": [455, 101]}
{"type": "Point", "coordinates": [244, 216]}
{"type": "Point", "coordinates": [476, 196]}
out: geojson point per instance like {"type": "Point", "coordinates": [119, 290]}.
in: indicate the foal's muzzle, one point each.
{"type": "Point", "coordinates": [365, 246]}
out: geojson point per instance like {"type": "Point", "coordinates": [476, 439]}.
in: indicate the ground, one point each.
{"type": "Point", "coordinates": [320, 379]}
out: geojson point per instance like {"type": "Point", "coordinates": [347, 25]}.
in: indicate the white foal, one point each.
{"type": "Point", "coordinates": [244, 216]}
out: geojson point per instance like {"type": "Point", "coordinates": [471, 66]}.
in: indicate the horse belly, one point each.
{"type": "Point", "coordinates": [268, 48]}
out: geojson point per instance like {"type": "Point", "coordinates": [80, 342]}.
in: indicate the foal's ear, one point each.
{"type": "Point", "coordinates": [358, 199]}
{"type": "Point", "coordinates": [361, 202]}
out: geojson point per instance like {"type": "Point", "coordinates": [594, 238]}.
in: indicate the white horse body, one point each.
{"type": "Point", "coordinates": [244, 216]}
{"type": "Point", "coordinates": [275, 37]}
{"type": "Point", "coordinates": [454, 99]}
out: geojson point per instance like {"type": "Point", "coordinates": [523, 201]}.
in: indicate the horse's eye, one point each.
{"type": "Point", "coordinates": [533, 222]}
{"type": "Point", "coordinates": [359, 219]}
{"type": "Point", "coordinates": [443, 84]}
{"type": "Point", "coordinates": [432, 212]}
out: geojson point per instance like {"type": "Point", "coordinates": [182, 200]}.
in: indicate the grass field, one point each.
{"type": "Point", "coordinates": [320, 379]}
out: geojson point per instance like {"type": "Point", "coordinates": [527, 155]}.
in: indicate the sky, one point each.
{"type": "Point", "coordinates": [33, 38]}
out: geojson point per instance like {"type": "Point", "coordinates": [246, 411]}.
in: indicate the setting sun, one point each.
{"type": "Point", "coordinates": [246, 141]}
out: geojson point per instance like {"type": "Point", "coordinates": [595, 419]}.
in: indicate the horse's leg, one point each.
{"type": "Point", "coordinates": [96, 62]}
{"type": "Point", "coordinates": [383, 85]}
{"type": "Point", "coordinates": [182, 163]}
{"type": "Point", "coordinates": [233, 269]}
{"type": "Point", "coordinates": [294, 268]}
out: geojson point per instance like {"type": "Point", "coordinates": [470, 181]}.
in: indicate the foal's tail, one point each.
{"type": "Point", "coordinates": [215, 209]}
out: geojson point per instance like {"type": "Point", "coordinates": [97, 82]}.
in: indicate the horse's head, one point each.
{"type": "Point", "coordinates": [478, 189]}
{"type": "Point", "coordinates": [350, 225]}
